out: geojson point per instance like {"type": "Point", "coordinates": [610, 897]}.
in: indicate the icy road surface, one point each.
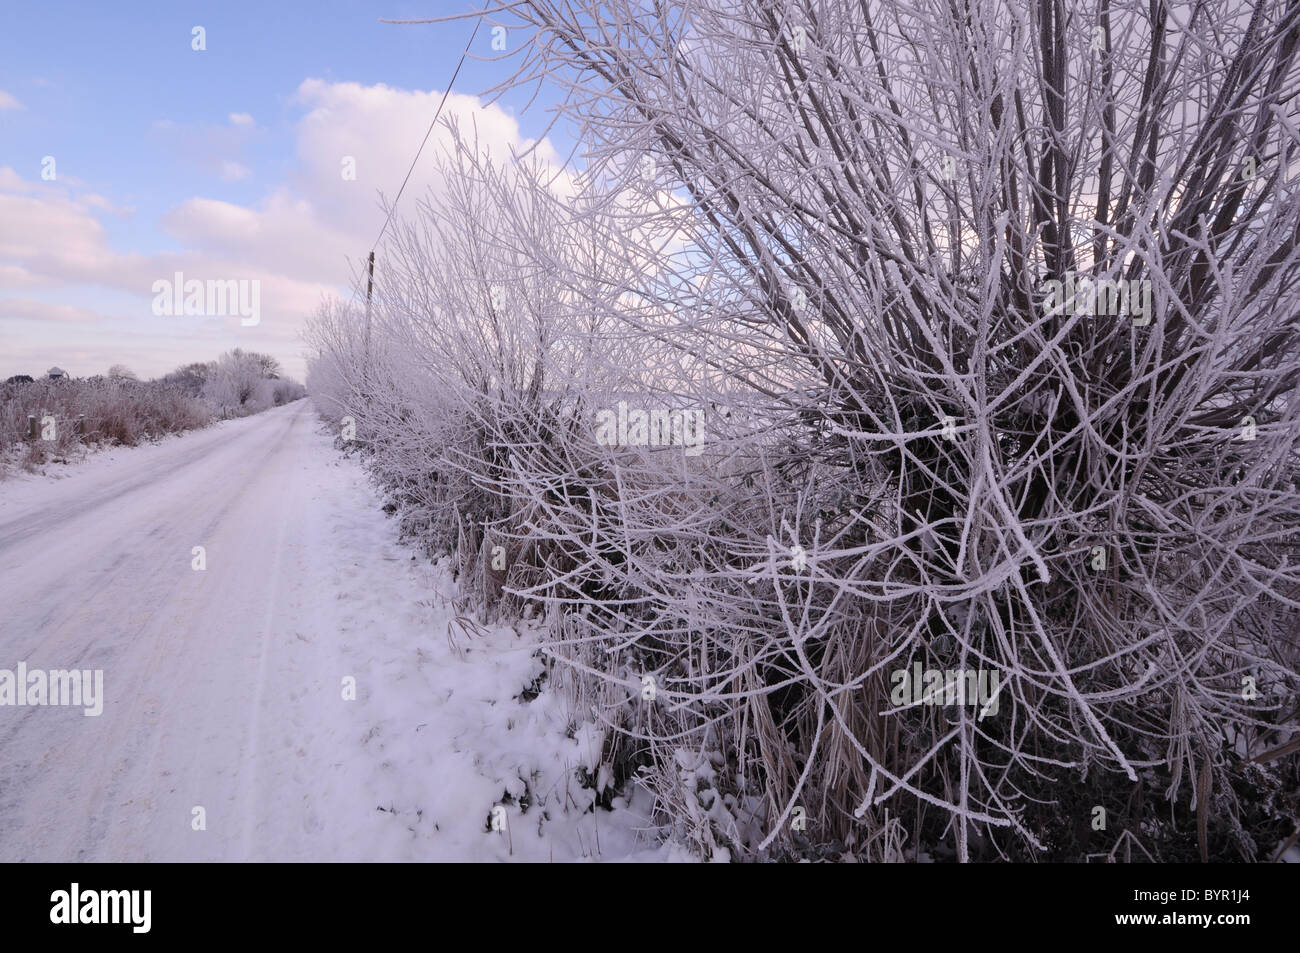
{"type": "Point", "coordinates": [225, 732]}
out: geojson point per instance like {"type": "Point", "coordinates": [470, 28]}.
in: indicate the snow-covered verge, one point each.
{"type": "Point", "coordinates": [455, 718]}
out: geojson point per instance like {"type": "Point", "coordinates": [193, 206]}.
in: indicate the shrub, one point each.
{"type": "Point", "coordinates": [915, 457]}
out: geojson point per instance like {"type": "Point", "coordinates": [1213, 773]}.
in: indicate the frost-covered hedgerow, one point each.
{"type": "Point", "coordinates": [70, 414]}
{"type": "Point", "coordinates": [73, 413]}
{"type": "Point", "coordinates": [872, 347]}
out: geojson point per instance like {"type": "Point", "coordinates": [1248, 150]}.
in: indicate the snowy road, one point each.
{"type": "Point", "coordinates": [224, 688]}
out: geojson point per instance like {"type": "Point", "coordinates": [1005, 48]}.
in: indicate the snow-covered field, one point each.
{"type": "Point", "coordinates": [226, 688]}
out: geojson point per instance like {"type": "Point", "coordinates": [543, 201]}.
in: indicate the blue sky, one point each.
{"type": "Point", "coordinates": [223, 162]}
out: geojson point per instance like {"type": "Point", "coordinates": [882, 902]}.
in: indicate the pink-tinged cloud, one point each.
{"type": "Point", "coordinates": [32, 310]}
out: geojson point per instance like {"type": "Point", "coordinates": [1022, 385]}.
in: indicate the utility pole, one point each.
{"type": "Point", "coordinates": [365, 360]}
{"type": "Point", "coordinates": [370, 285]}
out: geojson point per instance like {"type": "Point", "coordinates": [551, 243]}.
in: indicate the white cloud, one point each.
{"type": "Point", "coordinates": [379, 128]}
{"type": "Point", "coordinates": [241, 119]}
{"type": "Point", "coordinates": [214, 147]}
{"type": "Point", "coordinates": [234, 171]}
{"type": "Point", "coordinates": [90, 200]}
{"type": "Point", "coordinates": [53, 236]}
{"type": "Point", "coordinates": [31, 309]}
{"type": "Point", "coordinates": [11, 181]}
{"type": "Point", "coordinates": [9, 101]}
{"type": "Point", "coordinates": [12, 276]}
